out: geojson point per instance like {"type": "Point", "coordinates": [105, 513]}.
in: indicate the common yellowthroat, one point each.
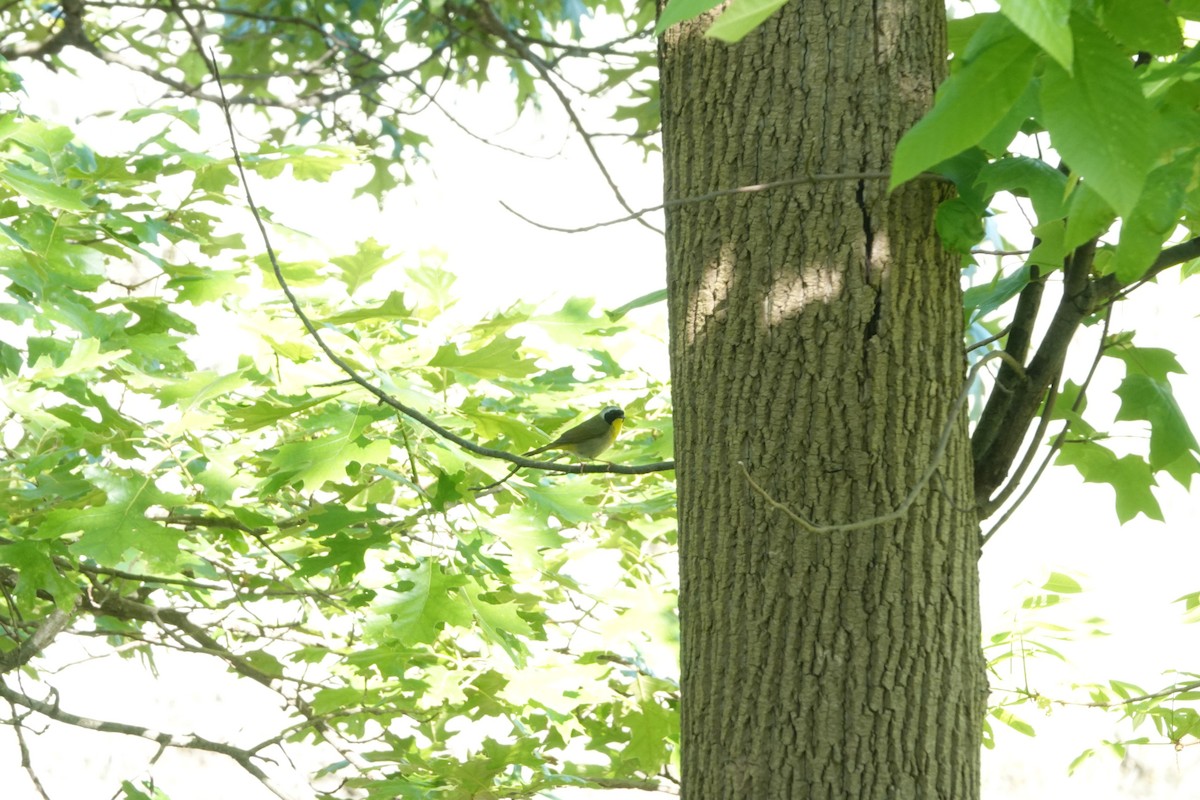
{"type": "Point", "coordinates": [589, 438]}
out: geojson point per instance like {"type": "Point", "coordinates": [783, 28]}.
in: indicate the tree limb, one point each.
{"type": "Point", "coordinates": [1056, 445]}
{"type": "Point", "coordinates": [1082, 296]}
{"type": "Point", "coordinates": [190, 741]}
{"type": "Point", "coordinates": [992, 462]}
{"type": "Point", "coordinates": [1020, 335]}
{"type": "Point", "coordinates": [54, 623]}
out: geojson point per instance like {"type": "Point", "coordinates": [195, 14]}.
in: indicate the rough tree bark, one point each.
{"type": "Point", "coordinates": [816, 339]}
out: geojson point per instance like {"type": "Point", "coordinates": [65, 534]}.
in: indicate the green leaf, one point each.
{"type": "Point", "coordinates": [329, 457]}
{"type": "Point", "coordinates": [1141, 26]}
{"type": "Point", "coordinates": [1154, 219]}
{"type": "Point", "coordinates": [355, 270]}
{"type": "Point", "coordinates": [960, 30]}
{"type": "Point", "coordinates": [679, 10]}
{"type": "Point", "coordinates": [1191, 607]}
{"type": "Point", "coordinates": [498, 358]}
{"type": "Point", "coordinates": [436, 282]}
{"type": "Point", "coordinates": [1098, 118]}
{"type": "Point", "coordinates": [10, 359]}
{"type": "Point", "coordinates": [1045, 22]}
{"type": "Point", "coordinates": [651, 728]}
{"type": "Point", "coordinates": [657, 296]}
{"type": "Point", "coordinates": [308, 162]}
{"type": "Point", "coordinates": [1188, 9]}
{"type": "Point", "coordinates": [109, 531]}
{"type": "Point", "coordinates": [41, 190]}
{"type": "Point", "coordinates": [189, 116]}
{"type": "Point", "coordinates": [1062, 584]}
{"type": "Point", "coordinates": [1183, 469]}
{"type": "Point", "coordinates": [1151, 399]}
{"type": "Point", "coordinates": [85, 357]}
{"type": "Point", "coordinates": [425, 602]}
{"type": "Point", "coordinates": [959, 225]}
{"type": "Point", "coordinates": [1154, 362]}
{"type": "Point", "coordinates": [392, 308]}
{"type": "Point", "coordinates": [741, 17]}
{"type": "Point", "coordinates": [1080, 760]}
{"type": "Point", "coordinates": [1129, 476]}
{"type": "Point", "coordinates": [36, 572]}
{"type": "Point", "coordinates": [499, 618]}
{"type": "Point", "coordinates": [1028, 177]}
{"type": "Point", "coordinates": [1012, 721]}
{"type": "Point", "coordinates": [382, 179]}
{"type": "Point", "coordinates": [199, 285]}
{"type": "Point", "coordinates": [996, 68]}
{"type": "Point", "coordinates": [1088, 216]}
{"type": "Point", "coordinates": [265, 412]}
{"type": "Point", "coordinates": [570, 502]}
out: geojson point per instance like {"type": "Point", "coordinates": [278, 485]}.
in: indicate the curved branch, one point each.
{"type": "Point", "coordinates": [383, 396]}
{"type": "Point", "coordinates": [935, 461]}
{"type": "Point", "coordinates": [1035, 443]}
{"type": "Point", "coordinates": [1110, 287]}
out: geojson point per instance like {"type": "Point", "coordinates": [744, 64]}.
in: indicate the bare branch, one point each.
{"type": "Point", "coordinates": [1161, 694]}
{"type": "Point", "coordinates": [993, 418]}
{"type": "Point", "coordinates": [1110, 288]}
{"type": "Point", "coordinates": [1035, 444]}
{"type": "Point", "coordinates": [994, 338]}
{"type": "Point", "coordinates": [243, 758]}
{"type": "Point", "coordinates": [18, 725]}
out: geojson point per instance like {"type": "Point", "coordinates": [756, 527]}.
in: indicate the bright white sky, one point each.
{"type": "Point", "coordinates": [1131, 574]}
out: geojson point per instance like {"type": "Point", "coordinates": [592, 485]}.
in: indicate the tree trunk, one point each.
{"type": "Point", "coordinates": [816, 346]}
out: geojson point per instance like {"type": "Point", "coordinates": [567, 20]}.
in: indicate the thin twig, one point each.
{"type": "Point", "coordinates": [492, 22]}
{"type": "Point", "coordinates": [985, 342]}
{"type": "Point", "coordinates": [934, 462]}
{"type": "Point", "coordinates": [1001, 252]}
{"type": "Point", "coordinates": [700, 198]}
{"type": "Point", "coordinates": [488, 488]}
{"type": "Point", "coordinates": [18, 726]}
{"type": "Point", "coordinates": [1179, 688]}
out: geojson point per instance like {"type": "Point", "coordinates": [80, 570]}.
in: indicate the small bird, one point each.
{"type": "Point", "coordinates": [589, 438]}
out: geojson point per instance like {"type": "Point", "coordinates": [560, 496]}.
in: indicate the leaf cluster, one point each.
{"type": "Point", "coordinates": [167, 486]}
{"type": "Point", "coordinates": [1082, 117]}
{"type": "Point", "coordinates": [351, 72]}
